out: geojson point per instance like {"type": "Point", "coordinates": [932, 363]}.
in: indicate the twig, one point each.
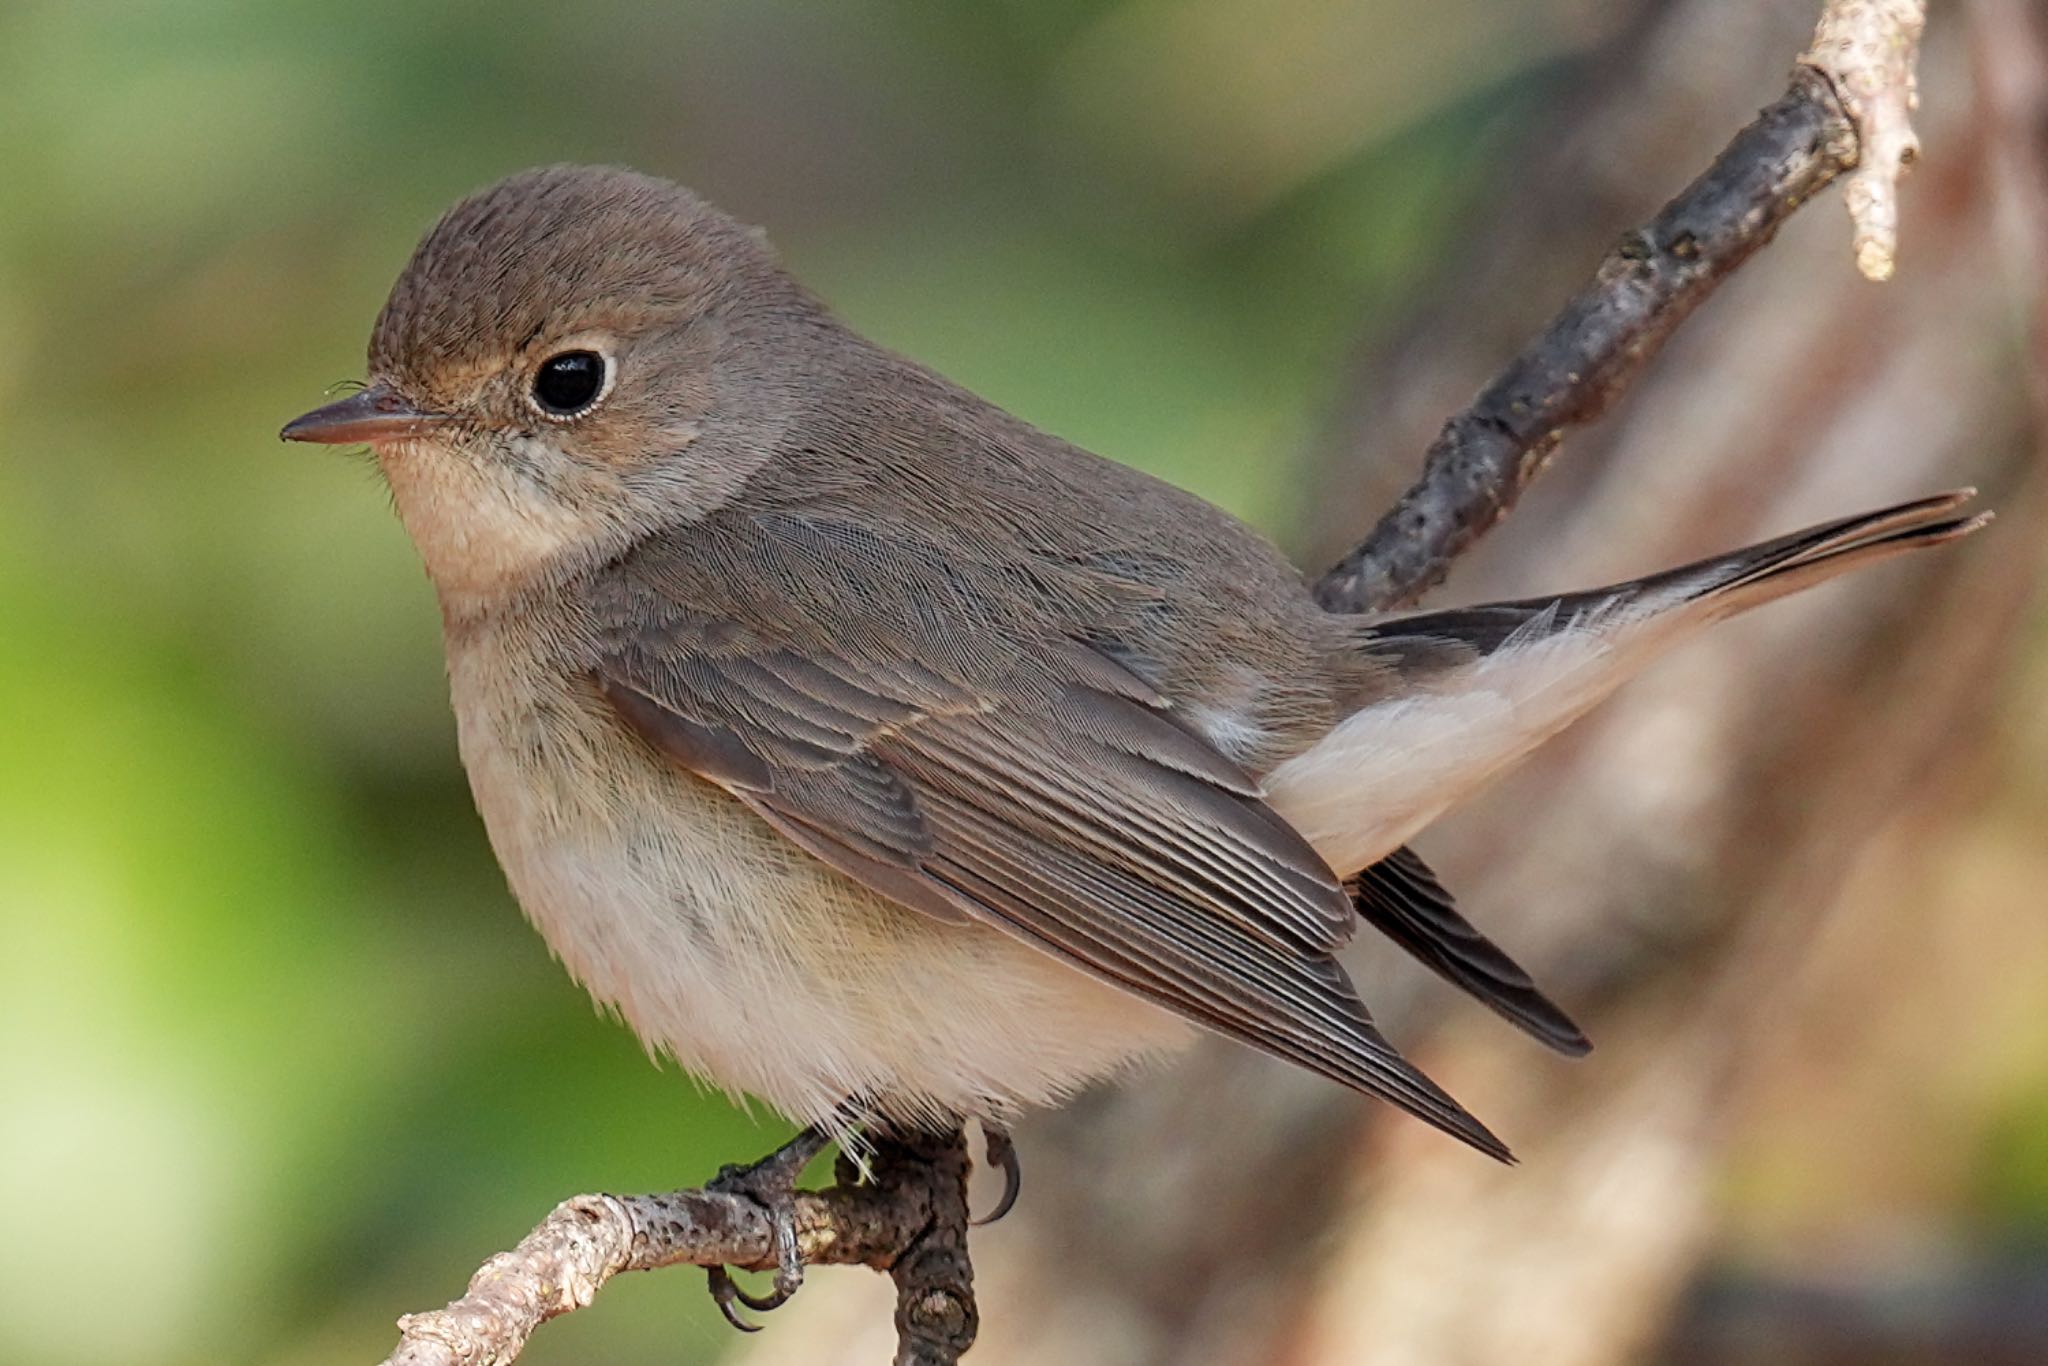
{"type": "Point", "coordinates": [1848, 99]}
{"type": "Point", "coordinates": [1650, 282]}
{"type": "Point", "coordinates": [1868, 50]}
{"type": "Point", "coordinates": [909, 1219]}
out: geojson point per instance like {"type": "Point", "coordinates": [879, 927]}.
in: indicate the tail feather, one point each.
{"type": "Point", "coordinates": [1731, 583]}
{"type": "Point", "coordinates": [1775, 569]}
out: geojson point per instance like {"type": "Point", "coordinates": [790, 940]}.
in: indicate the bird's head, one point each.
{"type": "Point", "coordinates": [572, 358]}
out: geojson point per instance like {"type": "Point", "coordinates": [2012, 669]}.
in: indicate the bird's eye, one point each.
{"type": "Point", "coordinates": [569, 383]}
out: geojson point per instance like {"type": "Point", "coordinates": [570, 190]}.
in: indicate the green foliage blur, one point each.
{"type": "Point", "coordinates": [280, 1058]}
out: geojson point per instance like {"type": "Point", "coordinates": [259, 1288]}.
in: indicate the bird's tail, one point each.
{"type": "Point", "coordinates": [1727, 584]}
{"type": "Point", "coordinates": [1452, 697]}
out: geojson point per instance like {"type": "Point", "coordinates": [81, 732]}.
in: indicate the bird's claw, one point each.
{"type": "Point", "coordinates": [727, 1294]}
{"type": "Point", "coordinates": [1002, 1152]}
{"type": "Point", "coordinates": [771, 1184]}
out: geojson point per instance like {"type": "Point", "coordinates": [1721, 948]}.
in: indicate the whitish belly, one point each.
{"type": "Point", "coordinates": [756, 966]}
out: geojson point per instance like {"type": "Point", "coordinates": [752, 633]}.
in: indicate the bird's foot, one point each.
{"type": "Point", "coordinates": [771, 1184]}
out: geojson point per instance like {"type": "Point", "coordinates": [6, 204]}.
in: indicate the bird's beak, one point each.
{"type": "Point", "coordinates": [376, 414]}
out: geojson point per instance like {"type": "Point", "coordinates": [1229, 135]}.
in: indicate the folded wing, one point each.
{"type": "Point", "coordinates": [1073, 811]}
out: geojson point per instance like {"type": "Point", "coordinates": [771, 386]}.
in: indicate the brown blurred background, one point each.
{"type": "Point", "coordinates": [278, 1059]}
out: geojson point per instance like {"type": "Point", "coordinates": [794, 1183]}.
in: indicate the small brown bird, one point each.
{"type": "Point", "coordinates": [877, 754]}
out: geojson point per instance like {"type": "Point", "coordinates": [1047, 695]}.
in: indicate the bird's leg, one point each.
{"type": "Point", "coordinates": [1001, 1153]}
{"type": "Point", "coordinates": [771, 1184]}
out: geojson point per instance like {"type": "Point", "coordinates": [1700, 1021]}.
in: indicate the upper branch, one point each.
{"type": "Point", "coordinates": [1649, 283]}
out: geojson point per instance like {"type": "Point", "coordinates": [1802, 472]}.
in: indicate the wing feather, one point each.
{"type": "Point", "coordinates": [1084, 819]}
{"type": "Point", "coordinates": [1402, 898]}
{"type": "Point", "coordinates": [1303, 1010]}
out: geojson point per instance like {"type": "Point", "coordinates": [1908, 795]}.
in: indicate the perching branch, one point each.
{"type": "Point", "coordinates": [1845, 111]}
{"type": "Point", "coordinates": [1849, 95]}
{"type": "Point", "coordinates": [909, 1219]}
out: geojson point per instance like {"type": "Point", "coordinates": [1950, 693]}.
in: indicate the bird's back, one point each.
{"type": "Point", "coordinates": [1062, 542]}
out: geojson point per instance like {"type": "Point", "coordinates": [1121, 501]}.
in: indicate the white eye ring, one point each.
{"type": "Point", "coordinates": [571, 382]}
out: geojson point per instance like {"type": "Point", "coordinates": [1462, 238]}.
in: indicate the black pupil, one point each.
{"type": "Point", "coordinates": [569, 383]}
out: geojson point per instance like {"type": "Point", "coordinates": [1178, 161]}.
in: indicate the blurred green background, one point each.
{"type": "Point", "coordinates": [274, 1043]}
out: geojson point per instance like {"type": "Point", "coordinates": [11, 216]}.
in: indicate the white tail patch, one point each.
{"type": "Point", "coordinates": [1391, 768]}
{"type": "Point", "coordinates": [1388, 770]}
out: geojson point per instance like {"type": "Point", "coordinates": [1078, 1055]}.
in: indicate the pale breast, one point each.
{"type": "Point", "coordinates": [757, 967]}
